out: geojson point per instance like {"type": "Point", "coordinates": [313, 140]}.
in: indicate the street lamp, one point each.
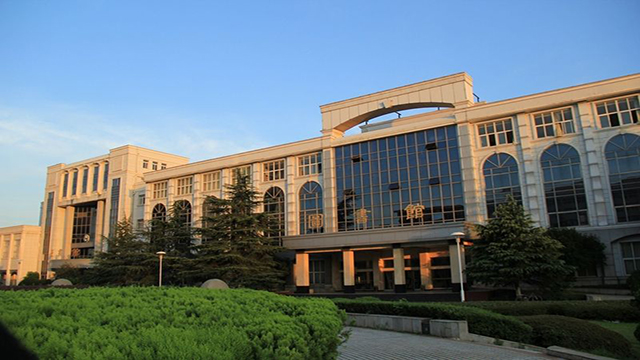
{"type": "Point", "coordinates": [160, 255]}
{"type": "Point", "coordinates": [459, 235]}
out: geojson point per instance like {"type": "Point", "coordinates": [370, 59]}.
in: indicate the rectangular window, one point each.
{"type": "Point", "coordinates": [496, 133]}
{"type": "Point", "coordinates": [65, 184]}
{"type": "Point", "coordinates": [145, 164]}
{"type": "Point", "coordinates": [85, 180]}
{"type": "Point", "coordinates": [141, 199]}
{"type": "Point", "coordinates": [554, 123]}
{"type": "Point", "coordinates": [240, 171]}
{"type": "Point", "coordinates": [163, 166]}
{"type": "Point", "coordinates": [115, 203]}
{"type": "Point", "coordinates": [154, 165]}
{"type": "Point", "coordinates": [211, 181]}
{"type": "Point", "coordinates": [140, 224]}
{"type": "Point", "coordinates": [273, 170]}
{"type": "Point", "coordinates": [317, 272]}
{"type": "Point", "coordinates": [618, 112]}
{"type": "Point", "coordinates": [74, 184]}
{"type": "Point", "coordinates": [631, 256]}
{"type": "Point", "coordinates": [96, 176]}
{"type": "Point", "coordinates": [310, 164]}
{"type": "Point", "coordinates": [105, 178]}
{"type": "Point", "coordinates": [160, 190]}
{"type": "Point", "coordinates": [84, 220]}
{"type": "Point", "coordinates": [185, 186]}
{"type": "Point", "coordinates": [5, 248]}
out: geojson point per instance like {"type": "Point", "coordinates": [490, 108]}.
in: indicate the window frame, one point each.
{"type": "Point", "coordinates": [555, 125]}
{"type": "Point", "coordinates": [496, 134]}
{"type": "Point", "coordinates": [276, 172]}
{"type": "Point", "coordinates": [184, 186]}
{"type": "Point", "coordinates": [235, 171]}
{"type": "Point", "coordinates": [598, 117]}
{"type": "Point", "coordinates": [159, 190]}
{"type": "Point", "coordinates": [309, 168]}
{"type": "Point", "coordinates": [208, 186]}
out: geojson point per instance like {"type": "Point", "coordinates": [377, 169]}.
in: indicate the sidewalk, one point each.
{"type": "Point", "coordinates": [369, 344]}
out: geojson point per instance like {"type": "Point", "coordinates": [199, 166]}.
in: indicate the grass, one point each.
{"type": "Point", "coordinates": [624, 329]}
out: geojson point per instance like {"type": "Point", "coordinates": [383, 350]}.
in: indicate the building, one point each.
{"type": "Point", "coordinates": [84, 201]}
{"type": "Point", "coordinates": [375, 211]}
{"type": "Point", "coordinates": [20, 249]}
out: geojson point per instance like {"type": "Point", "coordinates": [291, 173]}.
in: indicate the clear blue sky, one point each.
{"type": "Point", "coordinates": [205, 79]}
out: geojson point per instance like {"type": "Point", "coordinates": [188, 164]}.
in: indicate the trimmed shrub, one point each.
{"type": "Point", "coordinates": [550, 330]}
{"type": "Point", "coordinates": [171, 323]}
{"type": "Point", "coordinates": [588, 310]}
{"type": "Point", "coordinates": [633, 281]}
{"type": "Point", "coordinates": [480, 321]}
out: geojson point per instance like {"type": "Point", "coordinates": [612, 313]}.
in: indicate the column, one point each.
{"type": "Point", "coordinates": [455, 266]}
{"type": "Point", "coordinates": [425, 271]}
{"type": "Point", "coordinates": [302, 272]}
{"type": "Point", "coordinates": [349, 271]}
{"type": "Point", "coordinates": [399, 279]}
{"type": "Point", "coordinates": [68, 231]}
{"type": "Point", "coordinates": [99, 237]}
{"type": "Point", "coordinates": [291, 207]}
{"type": "Point", "coordinates": [329, 191]}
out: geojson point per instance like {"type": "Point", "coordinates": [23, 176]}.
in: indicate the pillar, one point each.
{"type": "Point", "coordinates": [302, 272]}
{"type": "Point", "coordinates": [455, 266]}
{"type": "Point", "coordinates": [399, 278]}
{"type": "Point", "coordinates": [348, 271]}
{"type": "Point", "coordinates": [68, 231]}
{"type": "Point", "coordinates": [99, 237]}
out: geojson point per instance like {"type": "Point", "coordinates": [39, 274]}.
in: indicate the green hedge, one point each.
{"type": "Point", "coordinates": [480, 321]}
{"type": "Point", "coordinates": [171, 323]}
{"type": "Point", "coordinates": [588, 310]}
{"type": "Point", "coordinates": [577, 334]}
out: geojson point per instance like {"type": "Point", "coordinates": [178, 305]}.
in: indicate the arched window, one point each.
{"type": "Point", "coordinates": [311, 217]}
{"type": "Point", "coordinates": [623, 156]}
{"type": "Point", "coordinates": [274, 206]}
{"type": "Point", "coordinates": [182, 210]}
{"type": "Point", "coordinates": [563, 186]}
{"type": "Point", "coordinates": [159, 212]}
{"type": "Point", "coordinates": [501, 179]}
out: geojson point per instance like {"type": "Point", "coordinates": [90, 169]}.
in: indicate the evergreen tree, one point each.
{"type": "Point", "coordinates": [582, 251]}
{"type": "Point", "coordinates": [512, 251]}
{"type": "Point", "coordinates": [129, 260]}
{"type": "Point", "coordinates": [234, 246]}
{"type": "Point", "coordinates": [176, 237]}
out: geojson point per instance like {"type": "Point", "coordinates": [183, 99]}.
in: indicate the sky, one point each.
{"type": "Point", "coordinates": [205, 79]}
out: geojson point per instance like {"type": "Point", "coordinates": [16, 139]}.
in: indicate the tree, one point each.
{"type": "Point", "coordinates": [32, 278]}
{"type": "Point", "coordinates": [582, 251]}
{"type": "Point", "coordinates": [129, 260]}
{"type": "Point", "coordinates": [512, 251]}
{"type": "Point", "coordinates": [234, 246]}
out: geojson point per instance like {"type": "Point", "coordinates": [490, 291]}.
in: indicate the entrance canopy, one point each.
{"type": "Point", "coordinates": [451, 91]}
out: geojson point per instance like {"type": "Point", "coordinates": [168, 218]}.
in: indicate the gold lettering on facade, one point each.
{"type": "Point", "coordinates": [316, 221]}
{"type": "Point", "coordinates": [414, 211]}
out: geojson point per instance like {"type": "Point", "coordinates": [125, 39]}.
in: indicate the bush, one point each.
{"type": "Point", "coordinates": [550, 330]}
{"type": "Point", "coordinates": [480, 321]}
{"type": "Point", "coordinates": [637, 332]}
{"type": "Point", "coordinates": [171, 323]}
{"type": "Point", "coordinates": [32, 278]}
{"type": "Point", "coordinates": [633, 281]}
{"type": "Point", "coordinates": [587, 310]}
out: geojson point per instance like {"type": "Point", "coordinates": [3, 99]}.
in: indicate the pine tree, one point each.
{"type": "Point", "coordinates": [234, 246]}
{"type": "Point", "coordinates": [129, 260]}
{"type": "Point", "coordinates": [512, 251]}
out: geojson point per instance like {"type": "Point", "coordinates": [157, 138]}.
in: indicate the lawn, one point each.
{"type": "Point", "coordinates": [171, 323]}
{"type": "Point", "coordinates": [626, 330]}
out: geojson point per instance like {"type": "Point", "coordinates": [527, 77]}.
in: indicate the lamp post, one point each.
{"type": "Point", "coordinates": [160, 255]}
{"type": "Point", "coordinates": [459, 235]}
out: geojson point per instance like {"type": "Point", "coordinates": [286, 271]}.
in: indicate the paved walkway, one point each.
{"type": "Point", "coordinates": [369, 344]}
